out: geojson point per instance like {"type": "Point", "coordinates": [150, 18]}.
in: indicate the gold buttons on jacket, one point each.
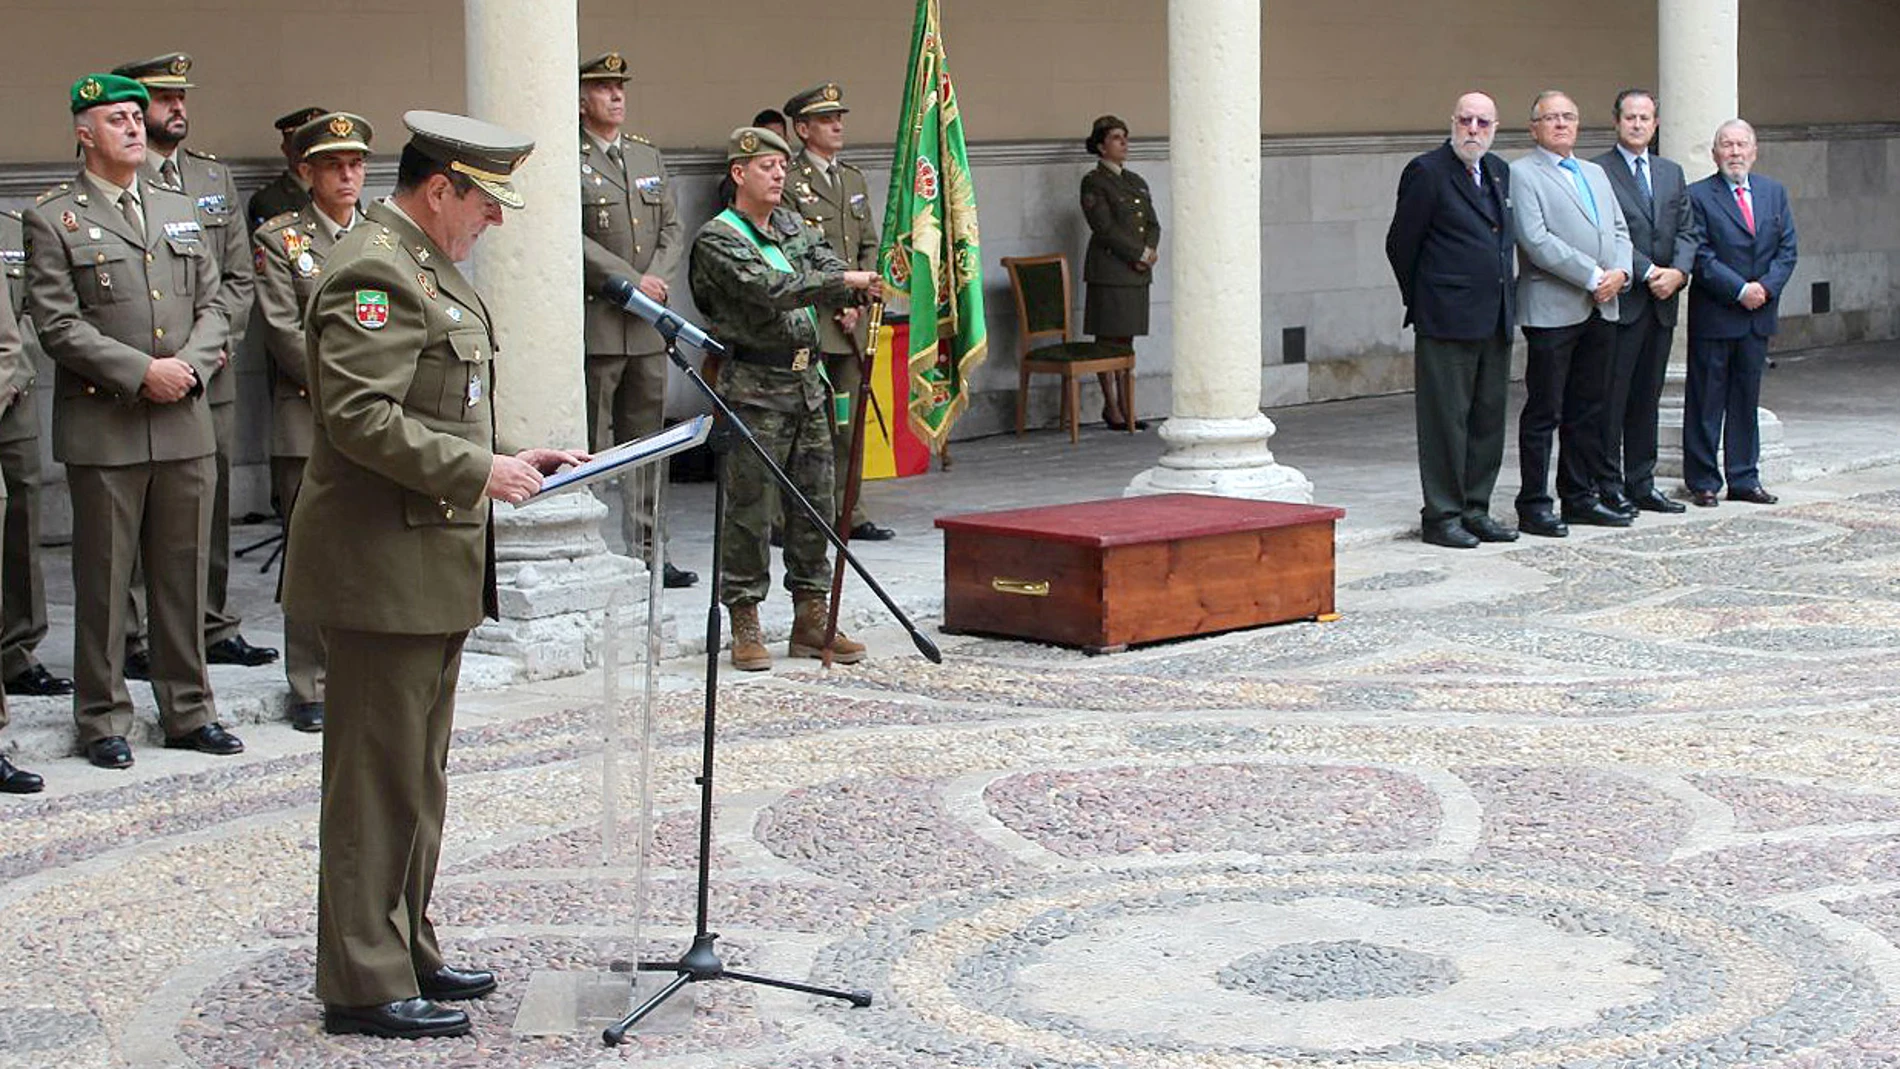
{"type": "Point", "coordinates": [149, 258]}
{"type": "Point", "coordinates": [157, 296]}
{"type": "Point", "coordinates": [158, 332]}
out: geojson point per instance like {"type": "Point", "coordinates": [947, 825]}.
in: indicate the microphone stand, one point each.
{"type": "Point", "coordinates": [701, 961]}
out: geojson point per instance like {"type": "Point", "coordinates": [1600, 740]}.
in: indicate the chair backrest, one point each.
{"type": "Point", "coordinates": [1041, 287]}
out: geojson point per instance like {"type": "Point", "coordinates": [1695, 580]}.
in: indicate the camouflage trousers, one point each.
{"type": "Point", "coordinates": [800, 442]}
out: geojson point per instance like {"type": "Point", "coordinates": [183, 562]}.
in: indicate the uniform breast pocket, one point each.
{"type": "Point", "coordinates": [464, 394]}
{"type": "Point", "coordinates": [185, 256]}
{"type": "Point", "coordinates": [102, 273]}
{"type": "Point", "coordinates": [652, 190]}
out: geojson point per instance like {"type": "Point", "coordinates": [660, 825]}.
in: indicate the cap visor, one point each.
{"type": "Point", "coordinates": [339, 146]}
{"type": "Point", "coordinates": [503, 192]}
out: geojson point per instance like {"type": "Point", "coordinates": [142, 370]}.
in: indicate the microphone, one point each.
{"type": "Point", "coordinates": [628, 298]}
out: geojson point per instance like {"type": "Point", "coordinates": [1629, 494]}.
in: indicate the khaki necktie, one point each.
{"type": "Point", "coordinates": [168, 173]}
{"type": "Point", "coordinates": [613, 153]}
{"type": "Point", "coordinates": [131, 209]}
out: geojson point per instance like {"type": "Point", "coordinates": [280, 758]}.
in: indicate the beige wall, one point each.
{"type": "Point", "coordinates": [1027, 69]}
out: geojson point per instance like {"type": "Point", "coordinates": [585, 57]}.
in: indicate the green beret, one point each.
{"type": "Point", "coordinates": [749, 141]}
{"type": "Point", "coordinates": [95, 90]}
{"type": "Point", "coordinates": [817, 100]}
{"type": "Point", "coordinates": [487, 154]}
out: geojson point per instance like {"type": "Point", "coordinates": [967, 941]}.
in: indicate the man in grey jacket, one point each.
{"type": "Point", "coordinates": [1573, 248]}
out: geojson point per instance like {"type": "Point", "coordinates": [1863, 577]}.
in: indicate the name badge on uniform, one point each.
{"type": "Point", "coordinates": [187, 231]}
{"type": "Point", "coordinates": [13, 256]}
{"type": "Point", "coordinates": [215, 204]}
{"type": "Point", "coordinates": [857, 200]}
{"type": "Point", "coordinates": [648, 183]}
{"type": "Point", "coordinates": [474, 390]}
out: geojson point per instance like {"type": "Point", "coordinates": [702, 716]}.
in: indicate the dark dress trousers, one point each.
{"type": "Point", "coordinates": [1728, 344]}
{"type": "Point", "coordinates": [1662, 234]}
{"type": "Point", "coordinates": [1450, 245]}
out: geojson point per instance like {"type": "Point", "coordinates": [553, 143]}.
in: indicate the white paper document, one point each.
{"type": "Point", "coordinates": [626, 456]}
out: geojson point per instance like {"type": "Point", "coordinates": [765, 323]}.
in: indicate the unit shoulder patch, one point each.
{"type": "Point", "coordinates": [372, 309]}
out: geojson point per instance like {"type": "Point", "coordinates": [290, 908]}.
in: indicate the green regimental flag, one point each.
{"type": "Point", "coordinates": [930, 252]}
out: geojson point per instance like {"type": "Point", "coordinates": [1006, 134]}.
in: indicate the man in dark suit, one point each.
{"type": "Point", "coordinates": [1663, 239]}
{"type": "Point", "coordinates": [1450, 246]}
{"type": "Point", "coordinates": [1744, 261]}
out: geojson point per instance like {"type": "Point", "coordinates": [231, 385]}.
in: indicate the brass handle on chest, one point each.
{"type": "Point", "coordinates": [1026, 587]}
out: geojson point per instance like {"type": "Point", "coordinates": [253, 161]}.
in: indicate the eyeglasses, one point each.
{"type": "Point", "coordinates": [1568, 118]}
{"type": "Point", "coordinates": [1476, 122]}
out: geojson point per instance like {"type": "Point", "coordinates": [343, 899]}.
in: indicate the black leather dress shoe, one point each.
{"type": "Point", "coordinates": [211, 739]}
{"type": "Point", "coordinates": [451, 985]}
{"type": "Point", "coordinates": [412, 1018]}
{"type": "Point", "coordinates": [306, 716]}
{"type": "Point", "coordinates": [1704, 499]}
{"type": "Point", "coordinates": [1617, 502]}
{"type": "Point", "coordinates": [110, 752]}
{"type": "Point", "coordinates": [1448, 533]}
{"type": "Point", "coordinates": [1654, 501]}
{"type": "Point", "coordinates": [235, 650]}
{"type": "Point", "coordinates": [1542, 524]}
{"type": "Point", "coordinates": [871, 532]}
{"type": "Point", "coordinates": [677, 578]}
{"type": "Point", "coordinates": [18, 780]}
{"type": "Point", "coordinates": [1118, 425]}
{"type": "Point", "coordinates": [777, 537]}
{"type": "Point", "coordinates": [1754, 495]}
{"type": "Point", "coordinates": [38, 682]}
{"type": "Point", "coordinates": [138, 665]}
{"type": "Point", "coordinates": [1488, 529]}
{"type": "Point", "coordinates": [1594, 513]}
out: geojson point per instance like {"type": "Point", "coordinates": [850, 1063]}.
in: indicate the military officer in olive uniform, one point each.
{"type": "Point", "coordinates": [23, 592]}
{"type": "Point", "coordinates": [763, 279]}
{"type": "Point", "coordinates": [1124, 234]}
{"type": "Point", "coordinates": [16, 389]}
{"type": "Point", "coordinates": [286, 192]}
{"type": "Point", "coordinates": [832, 196]}
{"type": "Point", "coordinates": [630, 228]}
{"type": "Point", "coordinates": [123, 290]}
{"type": "Point", "coordinates": [291, 251]}
{"type": "Point", "coordinates": [208, 183]}
{"type": "Point", "coordinates": [391, 554]}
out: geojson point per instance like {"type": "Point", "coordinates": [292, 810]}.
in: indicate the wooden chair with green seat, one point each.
{"type": "Point", "coordinates": [1043, 299]}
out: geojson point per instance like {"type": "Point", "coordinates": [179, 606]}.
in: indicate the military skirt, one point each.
{"type": "Point", "coordinates": [1115, 311]}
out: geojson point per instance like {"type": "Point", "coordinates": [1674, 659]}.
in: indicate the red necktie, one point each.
{"type": "Point", "coordinates": [1748, 213]}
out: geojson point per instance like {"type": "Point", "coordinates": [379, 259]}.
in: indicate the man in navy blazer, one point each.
{"type": "Point", "coordinates": [1744, 261]}
{"type": "Point", "coordinates": [1664, 238]}
{"type": "Point", "coordinates": [1450, 247]}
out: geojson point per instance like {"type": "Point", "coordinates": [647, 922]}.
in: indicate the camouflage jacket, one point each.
{"type": "Point", "coordinates": [749, 304]}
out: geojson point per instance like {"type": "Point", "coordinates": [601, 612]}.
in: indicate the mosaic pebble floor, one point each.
{"type": "Point", "coordinates": [1642, 811]}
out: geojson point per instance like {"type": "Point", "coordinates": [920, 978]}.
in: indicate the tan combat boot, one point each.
{"type": "Point", "coordinates": [808, 633]}
{"type": "Point", "coordinates": [748, 642]}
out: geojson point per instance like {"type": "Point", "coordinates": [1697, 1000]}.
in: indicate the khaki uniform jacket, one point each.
{"type": "Point", "coordinates": [16, 370]}
{"type": "Point", "coordinates": [104, 303]}
{"type": "Point", "coordinates": [21, 421]}
{"type": "Point", "coordinates": [630, 227]}
{"type": "Point", "coordinates": [842, 211]}
{"type": "Point", "coordinates": [291, 250]}
{"type": "Point", "coordinates": [208, 183]}
{"type": "Point", "coordinates": [390, 531]}
{"type": "Point", "coordinates": [1122, 224]}
{"type": "Point", "coordinates": [283, 194]}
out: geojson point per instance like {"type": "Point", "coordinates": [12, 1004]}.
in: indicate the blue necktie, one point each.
{"type": "Point", "coordinates": [1569, 163]}
{"type": "Point", "coordinates": [1642, 179]}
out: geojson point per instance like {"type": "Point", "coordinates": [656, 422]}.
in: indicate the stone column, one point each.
{"type": "Point", "coordinates": [1216, 435]}
{"type": "Point", "coordinates": [554, 570]}
{"type": "Point", "coordinates": [1698, 64]}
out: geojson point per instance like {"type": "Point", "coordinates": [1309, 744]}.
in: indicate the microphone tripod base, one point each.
{"type": "Point", "coordinates": [701, 963]}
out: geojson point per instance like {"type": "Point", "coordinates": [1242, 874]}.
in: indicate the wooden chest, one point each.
{"type": "Point", "coordinates": [1102, 575]}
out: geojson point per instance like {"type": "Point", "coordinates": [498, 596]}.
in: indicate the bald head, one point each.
{"type": "Point", "coordinates": [1474, 123]}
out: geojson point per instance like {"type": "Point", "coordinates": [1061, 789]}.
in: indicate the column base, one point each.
{"type": "Point", "coordinates": [1223, 457]}
{"type": "Point", "coordinates": [556, 579]}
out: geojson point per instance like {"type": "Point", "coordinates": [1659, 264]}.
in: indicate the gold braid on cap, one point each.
{"type": "Point", "coordinates": [473, 172]}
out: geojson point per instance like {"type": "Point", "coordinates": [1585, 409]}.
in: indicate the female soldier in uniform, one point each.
{"type": "Point", "coordinates": [1123, 236]}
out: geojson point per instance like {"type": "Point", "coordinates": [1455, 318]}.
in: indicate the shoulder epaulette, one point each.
{"type": "Point", "coordinates": [200, 155]}
{"type": "Point", "coordinates": [280, 219]}
{"type": "Point", "coordinates": [53, 192]}
{"type": "Point", "coordinates": [636, 137]}
{"type": "Point", "coordinates": [849, 166]}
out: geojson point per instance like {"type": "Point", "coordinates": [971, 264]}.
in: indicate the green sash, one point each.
{"type": "Point", "coordinates": [774, 256]}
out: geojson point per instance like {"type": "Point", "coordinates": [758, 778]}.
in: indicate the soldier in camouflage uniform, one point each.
{"type": "Point", "coordinates": [762, 277]}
